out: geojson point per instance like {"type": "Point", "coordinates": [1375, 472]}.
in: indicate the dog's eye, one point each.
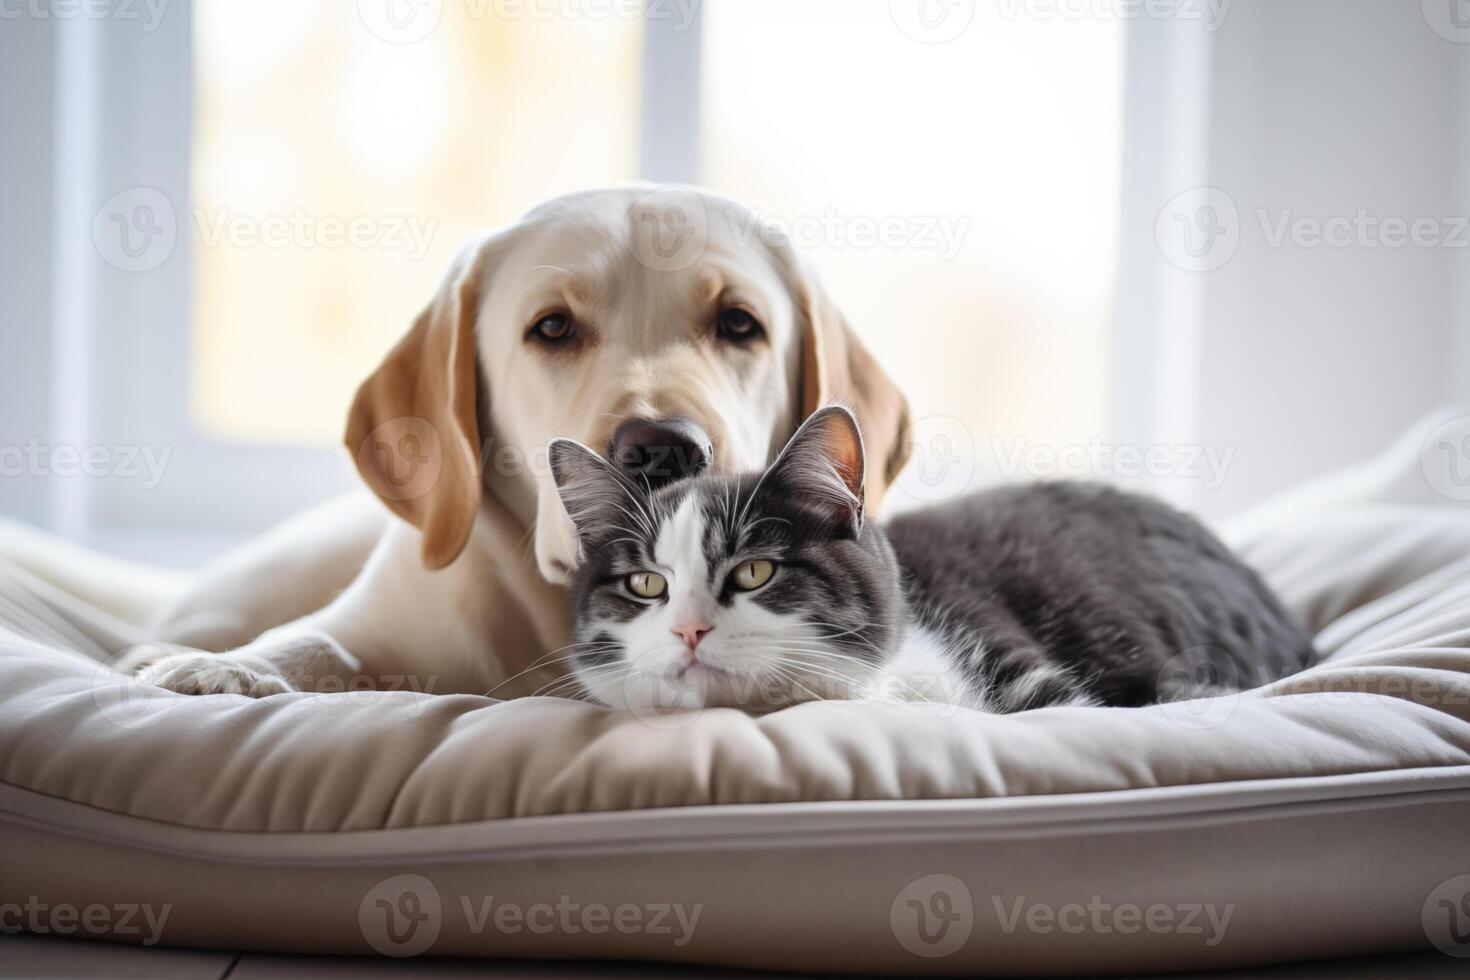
{"type": "Point", "coordinates": [751, 575]}
{"type": "Point", "coordinates": [647, 585]}
{"type": "Point", "coordinates": [737, 324]}
{"type": "Point", "coordinates": [554, 328]}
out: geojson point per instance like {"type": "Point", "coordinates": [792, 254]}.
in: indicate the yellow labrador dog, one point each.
{"type": "Point", "coordinates": [664, 325]}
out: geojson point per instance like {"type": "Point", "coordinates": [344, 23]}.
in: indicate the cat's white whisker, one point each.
{"type": "Point", "coordinates": [551, 659]}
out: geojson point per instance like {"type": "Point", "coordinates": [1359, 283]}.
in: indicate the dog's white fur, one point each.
{"type": "Point", "coordinates": [466, 600]}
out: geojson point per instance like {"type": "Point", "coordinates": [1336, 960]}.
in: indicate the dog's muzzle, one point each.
{"type": "Point", "coordinates": [661, 451]}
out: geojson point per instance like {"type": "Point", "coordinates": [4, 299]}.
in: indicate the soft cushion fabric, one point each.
{"type": "Point", "coordinates": [1324, 809]}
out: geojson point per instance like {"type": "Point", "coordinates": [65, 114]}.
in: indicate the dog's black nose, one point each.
{"type": "Point", "coordinates": [660, 451]}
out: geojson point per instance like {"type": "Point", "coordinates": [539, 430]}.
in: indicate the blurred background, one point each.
{"type": "Point", "coordinates": [1207, 247]}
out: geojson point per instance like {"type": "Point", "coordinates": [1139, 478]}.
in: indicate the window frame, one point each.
{"type": "Point", "coordinates": [1154, 361]}
{"type": "Point", "coordinates": [123, 100]}
{"type": "Point", "coordinates": [116, 333]}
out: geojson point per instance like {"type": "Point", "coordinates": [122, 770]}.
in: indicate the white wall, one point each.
{"type": "Point", "coordinates": [1310, 357]}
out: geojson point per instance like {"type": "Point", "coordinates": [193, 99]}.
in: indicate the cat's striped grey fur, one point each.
{"type": "Point", "coordinates": [777, 590]}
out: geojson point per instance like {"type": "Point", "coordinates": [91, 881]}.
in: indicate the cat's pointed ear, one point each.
{"type": "Point", "coordinates": [824, 466]}
{"type": "Point", "coordinates": [596, 496]}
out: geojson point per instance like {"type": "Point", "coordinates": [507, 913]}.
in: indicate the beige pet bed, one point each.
{"type": "Point", "coordinates": [1320, 815]}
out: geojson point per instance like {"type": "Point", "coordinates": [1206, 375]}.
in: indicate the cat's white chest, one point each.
{"type": "Point", "coordinates": [923, 669]}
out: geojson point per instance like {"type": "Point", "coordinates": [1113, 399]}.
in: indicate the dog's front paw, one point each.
{"type": "Point", "coordinates": [215, 673]}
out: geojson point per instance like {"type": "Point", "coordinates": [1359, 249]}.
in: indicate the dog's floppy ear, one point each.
{"type": "Point", "coordinates": [413, 429]}
{"type": "Point", "coordinates": [836, 367]}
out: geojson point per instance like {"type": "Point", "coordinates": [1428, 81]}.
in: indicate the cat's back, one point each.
{"type": "Point", "coordinates": [1052, 525]}
{"type": "Point", "coordinates": [1113, 585]}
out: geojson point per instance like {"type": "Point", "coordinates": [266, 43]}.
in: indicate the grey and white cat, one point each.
{"type": "Point", "coordinates": [768, 589]}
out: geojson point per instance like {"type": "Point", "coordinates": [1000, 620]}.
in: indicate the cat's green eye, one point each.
{"type": "Point", "coordinates": [648, 585]}
{"type": "Point", "coordinates": [751, 575]}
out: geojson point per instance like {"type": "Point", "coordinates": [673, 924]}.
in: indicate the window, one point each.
{"type": "Point", "coordinates": [981, 185]}
{"type": "Point", "coordinates": [960, 196]}
{"type": "Point", "coordinates": [338, 167]}
{"type": "Point", "coordinates": [983, 226]}
{"type": "Point", "coordinates": [321, 166]}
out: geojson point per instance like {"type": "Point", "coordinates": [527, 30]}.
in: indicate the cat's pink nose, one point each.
{"type": "Point", "coordinates": [692, 633]}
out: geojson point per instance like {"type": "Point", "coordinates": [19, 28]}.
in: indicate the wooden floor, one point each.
{"type": "Point", "coordinates": [53, 958]}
